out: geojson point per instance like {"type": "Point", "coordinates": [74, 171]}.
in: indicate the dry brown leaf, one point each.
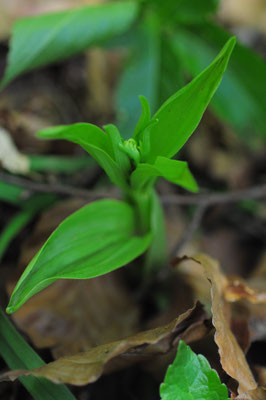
{"type": "Point", "coordinates": [261, 375]}
{"type": "Point", "coordinates": [74, 315]}
{"type": "Point", "coordinates": [87, 367]}
{"type": "Point", "coordinates": [249, 13]}
{"type": "Point", "coordinates": [257, 394]}
{"type": "Point", "coordinates": [237, 289]}
{"type": "Point", "coordinates": [232, 357]}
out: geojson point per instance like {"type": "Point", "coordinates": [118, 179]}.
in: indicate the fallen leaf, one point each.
{"type": "Point", "coordinates": [87, 367]}
{"type": "Point", "coordinates": [10, 158]}
{"type": "Point", "coordinates": [257, 394]}
{"type": "Point", "coordinates": [237, 289]}
{"type": "Point", "coordinates": [72, 316]}
{"type": "Point", "coordinates": [232, 357]}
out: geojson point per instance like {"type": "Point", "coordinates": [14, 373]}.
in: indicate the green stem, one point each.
{"type": "Point", "coordinates": [150, 218]}
{"type": "Point", "coordinates": [141, 201]}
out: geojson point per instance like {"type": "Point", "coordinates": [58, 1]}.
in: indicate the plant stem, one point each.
{"type": "Point", "coordinates": [150, 218]}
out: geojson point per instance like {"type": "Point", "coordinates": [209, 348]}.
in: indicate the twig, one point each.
{"type": "Point", "coordinates": [254, 192]}
{"type": "Point", "coordinates": [208, 199]}
{"type": "Point", "coordinates": [193, 226]}
{"type": "Point", "coordinates": [54, 188]}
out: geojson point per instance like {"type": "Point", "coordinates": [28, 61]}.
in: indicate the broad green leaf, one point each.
{"type": "Point", "coordinates": [93, 241]}
{"type": "Point", "coordinates": [241, 99]}
{"type": "Point", "coordinates": [19, 355]}
{"type": "Point", "coordinates": [190, 377]}
{"type": "Point", "coordinates": [173, 170]}
{"type": "Point", "coordinates": [41, 40]}
{"type": "Point", "coordinates": [94, 141]}
{"type": "Point", "coordinates": [179, 116]}
{"type": "Point", "coordinates": [139, 77]}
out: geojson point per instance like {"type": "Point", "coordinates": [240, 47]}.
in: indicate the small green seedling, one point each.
{"type": "Point", "coordinates": [107, 234]}
{"type": "Point", "coordinates": [190, 377]}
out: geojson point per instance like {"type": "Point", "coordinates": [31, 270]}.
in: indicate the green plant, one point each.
{"type": "Point", "coordinates": [108, 234]}
{"type": "Point", "coordinates": [19, 355]}
{"type": "Point", "coordinates": [190, 377]}
{"type": "Point", "coordinates": [167, 42]}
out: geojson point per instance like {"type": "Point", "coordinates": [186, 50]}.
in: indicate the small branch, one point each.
{"type": "Point", "coordinates": [54, 188]}
{"type": "Point", "coordinates": [193, 226]}
{"type": "Point", "coordinates": [208, 199]}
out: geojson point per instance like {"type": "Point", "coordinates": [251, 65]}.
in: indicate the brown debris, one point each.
{"type": "Point", "coordinates": [87, 367]}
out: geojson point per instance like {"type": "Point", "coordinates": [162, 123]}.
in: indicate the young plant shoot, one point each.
{"type": "Point", "coordinates": [108, 234]}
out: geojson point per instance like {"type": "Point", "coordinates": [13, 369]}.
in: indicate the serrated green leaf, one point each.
{"type": "Point", "coordinates": [240, 99]}
{"type": "Point", "coordinates": [140, 76]}
{"type": "Point", "coordinates": [190, 377]}
{"type": "Point", "coordinates": [173, 170]}
{"type": "Point", "coordinates": [41, 40]}
{"type": "Point", "coordinates": [93, 241]}
{"type": "Point", "coordinates": [19, 355]}
{"type": "Point", "coordinates": [95, 142]}
{"type": "Point", "coordinates": [179, 116]}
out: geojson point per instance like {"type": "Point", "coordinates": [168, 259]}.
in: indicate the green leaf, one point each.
{"type": "Point", "coordinates": [139, 77]}
{"type": "Point", "coordinates": [11, 193]}
{"type": "Point", "coordinates": [41, 40]}
{"type": "Point", "coordinates": [194, 11]}
{"type": "Point", "coordinates": [144, 118]}
{"type": "Point", "coordinates": [241, 99]}
{"type": "Point", "coordinates": [96, 239]}
{"type": "Point", "coordinates": [120, 157]}
{"type": "Point", "coordinates": [171, 73]}
{"type": "Point", "coordinates": [30, 208]}
{"type": "Point", "coordinates": [173, 170]}
{"type": "Point", "coordinates": [19, 355]}
{"type": "Point", "coordinates": [190, 377]}
{"type": "Point", "coordinates": [59, 164]}
{"type": "Point", "coordinates": [179, 116]}
{"type": "Point", "coordinates": [96, 142]}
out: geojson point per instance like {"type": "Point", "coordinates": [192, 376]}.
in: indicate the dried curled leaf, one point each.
{"type": "Point", "coordinates": [257, 394]}
{"type": "Point", "coordinates": [237, 289]}
{"type": "Point", "coordinates": [87, 367]}
{"type": "Point", "coordinates": [232, 357]}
